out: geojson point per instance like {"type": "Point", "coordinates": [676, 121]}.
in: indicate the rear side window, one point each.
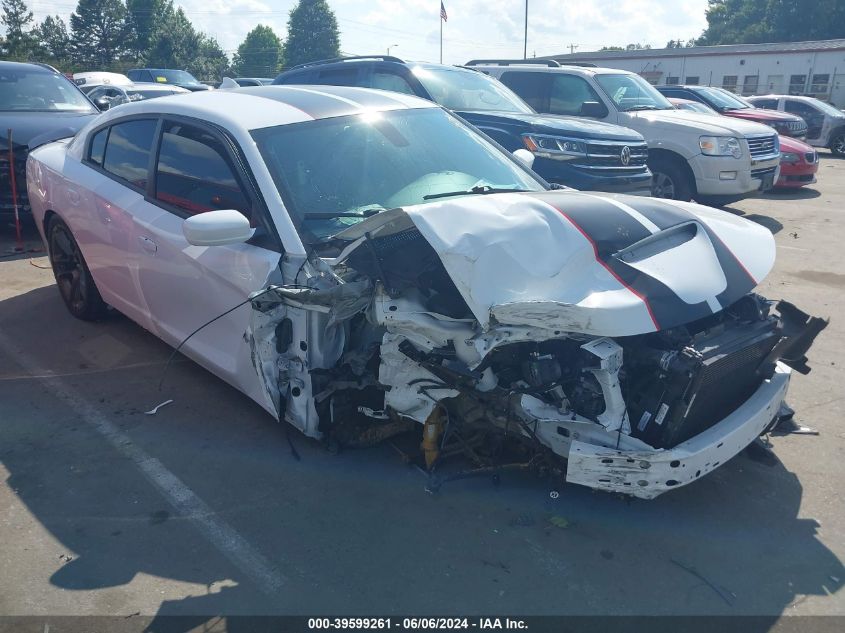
{"type": "Point", "coordinates": [128, 150]}
{"type": "Point", "coordinates": [193, 172]}
{"type": "Point", "coordinates": [532, 87]}
{"type": "Point", "coordinates": [338, 77]}
{"type": "Point", "coordinates": [767, 104]}
{"type": "Point", "coordinates": [98, 147]}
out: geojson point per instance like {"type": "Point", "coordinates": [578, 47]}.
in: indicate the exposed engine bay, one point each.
{"type": "Point", "coordinates": [616, 385]}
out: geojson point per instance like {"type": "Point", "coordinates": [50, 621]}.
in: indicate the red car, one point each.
{"type": "Point", "coordinates": [799, 163]}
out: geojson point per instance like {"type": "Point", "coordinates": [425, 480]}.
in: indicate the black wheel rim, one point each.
{"type": "Point", "coordinates": [662, 186]}
{"type": "Point", "coordinates": [839, 145]}
{"type": "Point", "coordinates": [68, 268]}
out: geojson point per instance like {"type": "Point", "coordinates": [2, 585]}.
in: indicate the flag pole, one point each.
{"type": "Point", "coordinates": [440, 18]}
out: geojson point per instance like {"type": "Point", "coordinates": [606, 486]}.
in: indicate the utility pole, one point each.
{"type": "Point", "coordinates": [525, 45]}
{"type": "Point", "coordinates": [391, 46]}
{"type": "Point", "coordinates": [572, 48]}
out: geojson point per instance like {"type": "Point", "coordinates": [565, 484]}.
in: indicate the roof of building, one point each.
{"type": "Point", "coordinates": [725, 49]}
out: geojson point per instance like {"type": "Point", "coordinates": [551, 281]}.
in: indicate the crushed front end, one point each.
{"type": "Point", "coordinates": [563, 333]}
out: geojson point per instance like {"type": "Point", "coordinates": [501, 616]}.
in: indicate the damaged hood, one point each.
{"type": "Point", "coordinates": [605, 265]}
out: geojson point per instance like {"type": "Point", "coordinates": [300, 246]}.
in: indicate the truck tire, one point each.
{"type": "Point", "coordinates": [837, 143]}
{"type": "Point", "coordinates": [669, 180]}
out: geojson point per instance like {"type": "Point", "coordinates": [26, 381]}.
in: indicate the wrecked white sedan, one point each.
{"type": "Point", "coordinates": [364, 263]}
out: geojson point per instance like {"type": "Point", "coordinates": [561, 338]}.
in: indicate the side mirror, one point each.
{"type": "Point", "coordinates": [102, 103]}
{"type": "Point", "coordinates": [525, 157]}
{"type": "Point", "coordinates": [216, 228]}
{"type": "Point", "coordinates": [593, 110]}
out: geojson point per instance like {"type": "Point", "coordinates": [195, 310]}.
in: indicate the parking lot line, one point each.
{"type": "Point", "coordinates": [187, 504]}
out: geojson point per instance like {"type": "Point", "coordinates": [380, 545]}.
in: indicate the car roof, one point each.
{"type": "Point", "coordinates": [31, 66]}
{"type": "Point", "coordinates": [540, 67]}
{"type": "Point", "coordinates": [255, 107]}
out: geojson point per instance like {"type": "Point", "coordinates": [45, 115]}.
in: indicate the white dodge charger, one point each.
{"type": "Point", "coordinates": [363, 263]}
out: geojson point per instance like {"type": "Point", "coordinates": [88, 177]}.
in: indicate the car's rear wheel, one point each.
{"type": "Point", "coordinates": [669, 181]}
{"type": "Point", "coordinates": [73, 278]}
{"type": "Point", "coordinates": [837, 143]}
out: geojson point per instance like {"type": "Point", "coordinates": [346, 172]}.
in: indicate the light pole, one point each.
{"type": "Point", "coordinates": [525, 46]}
{"type": "Point", "coordinates": [391, 46]}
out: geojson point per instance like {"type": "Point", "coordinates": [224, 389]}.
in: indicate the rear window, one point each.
{"type": "Point", "coordinates": [128, 151]}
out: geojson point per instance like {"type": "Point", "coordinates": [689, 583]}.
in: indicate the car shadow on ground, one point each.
{"type": "Point", "coordinates": [357, 534]}
{"type": "Point", "coordinates": [763, 220]}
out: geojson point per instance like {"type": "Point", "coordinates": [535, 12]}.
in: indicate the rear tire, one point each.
{"type": "Point", "coordinates": [669, 180]}
{"type": "Point", "coordinates": [837, 143]}
{"type": "Point", "coordinates": [73, 279]}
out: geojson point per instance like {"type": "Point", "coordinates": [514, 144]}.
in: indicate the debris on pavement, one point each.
{"type": "Point", "coordinates": [155, 409]}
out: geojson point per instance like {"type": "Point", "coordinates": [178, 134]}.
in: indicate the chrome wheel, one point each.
{"type": "Point", "coordinates": [837, 146]}
{"type": "Point", "coordinates": [662, 186]}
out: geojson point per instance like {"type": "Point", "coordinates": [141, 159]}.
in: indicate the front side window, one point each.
{"type": "Point", "coordinates": [38, 90]}
{"type": "Point", "coordinates": [533, 88]}
{"type": "Point", "coordinates": [193, 172]}
{"type": "Point", "coordinates": [721, 99]}
{"type": "Point", "coordinates": [569, 93]}
{"type": "Point", "coordinates": [766, 104]}
{"type": "Point", "coordinates": [128, 150]}
{"type": "Point", "coordinates": [469, 90]}
{"type": "Point", "coordinates": [338, 77]}
{"type": "Point", "coordinates": [390, 81]}
{"type": "Point", "coordinates": [335, 172]}
{"type": "Point", "coordinates": [164, 76]}
{"type": "Point", "coordinates": [631, 93]}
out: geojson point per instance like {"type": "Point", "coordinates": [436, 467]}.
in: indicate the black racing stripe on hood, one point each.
{"type": "Point", "coordinates": [666, 215]}
{"type": "Point", "coordinates": [611, 229]}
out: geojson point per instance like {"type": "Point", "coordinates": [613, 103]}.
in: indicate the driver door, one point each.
{"type": "Point", "coordinates": [186, 286]}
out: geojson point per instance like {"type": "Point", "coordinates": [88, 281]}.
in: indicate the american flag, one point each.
{"type": "Point", "coordinates": [443, 12]}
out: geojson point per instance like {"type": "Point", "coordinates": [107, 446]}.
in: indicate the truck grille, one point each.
{"type": "Point", "coordinates": [762, 146]}
{"type": "Point", "coordinates": [609, 156]}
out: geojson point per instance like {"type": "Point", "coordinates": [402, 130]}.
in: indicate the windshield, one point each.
{"type": "Point", "coordinates": [38, 90]}
{"type": "Point", "coordinates": [828, 109]}
{"type": "Point", "coordinates": [467, 90]}
{"type": "Point", "coordinates": [173, 77]}
{"type": "Point", "coordinates": [694, 106]}
{"type": "Point", "coordinates": [335, 172]}
{"type": "Point", "coordinates": [723, 100]}
{"type": "Point", "coordinates": [632, 92]}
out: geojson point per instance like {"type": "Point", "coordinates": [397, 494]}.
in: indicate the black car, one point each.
{"type": "Point", "coordinates": [39, 104]}
{"type": "Point", "coordinates": [181, 78]}
{"type": "Point", "coordinates": [583, 154]}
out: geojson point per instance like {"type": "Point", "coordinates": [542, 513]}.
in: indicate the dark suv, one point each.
{"type": "Point", "coordinates": [586, 155]}
{"type": "Point", "coordinates": [38, 104]}
{"type": "Point", "coordinates": [729, 104]}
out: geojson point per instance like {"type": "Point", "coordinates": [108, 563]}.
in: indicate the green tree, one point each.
{"type": "Point", "coordinates": [19, 42]}
{"type": "Point", "coordinates": [756, 21]}
{"type": "Point", "coordinates": [176, 44]}
{"type": "Point", "coordinates": [312, 33]}
{"type": "Point", "coordinates": [53, 40]}
{"type": "Point", "coordinates": [145, 17]}
{"type": "Point", "coordinates": [100, 33]}
{"type": "Point", "coordinates": [259, 55]}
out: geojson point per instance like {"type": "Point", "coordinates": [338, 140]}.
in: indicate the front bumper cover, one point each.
{"type": "Point", "coordinates": [647, 474]}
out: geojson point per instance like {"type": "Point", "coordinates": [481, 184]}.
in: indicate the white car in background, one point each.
{"type": "Point", "coordinates": [90, 80]}
{"type": "Point", "coordinates": [363, 264]}
{"type": "Point", "coordinates": [825, 124]}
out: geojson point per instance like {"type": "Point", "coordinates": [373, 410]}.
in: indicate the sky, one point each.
{"type": "Point", "coordinates": [474, 29]}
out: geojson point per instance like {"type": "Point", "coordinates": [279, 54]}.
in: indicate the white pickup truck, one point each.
{"type": "Point", "coordinates": [715, 160]}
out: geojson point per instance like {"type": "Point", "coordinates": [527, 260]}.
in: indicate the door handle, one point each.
{"type": "Point", "coordinates": [147, 244]}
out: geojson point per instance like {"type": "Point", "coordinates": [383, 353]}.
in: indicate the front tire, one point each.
{"type": "Point", "coordinates": [74, 280]}
{"type": "Point", "coordinates": [837, 143]}
{"type": "Point", "coordinates": [669, 181]}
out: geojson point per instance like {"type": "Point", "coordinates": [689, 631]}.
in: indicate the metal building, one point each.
{"type": "Point", "coordinates": [802, 68]}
